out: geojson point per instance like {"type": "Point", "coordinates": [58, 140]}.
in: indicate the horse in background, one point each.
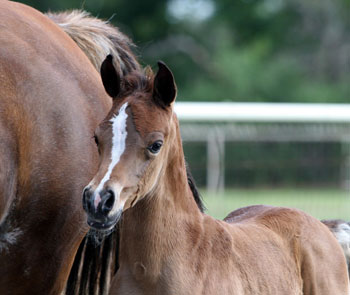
{"type": "Point", "coordinates": [51, 101]}
{"type": "Point", "coordinates": [167, 246]}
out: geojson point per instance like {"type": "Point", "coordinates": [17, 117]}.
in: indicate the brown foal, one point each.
{"type": "Point", "coordinates": [167, 245]}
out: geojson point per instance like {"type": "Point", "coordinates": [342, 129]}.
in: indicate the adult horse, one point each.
{"type": "Point", "coordinates": [167, 245]}
{"type": "Point", "coordinates": [51, 100]}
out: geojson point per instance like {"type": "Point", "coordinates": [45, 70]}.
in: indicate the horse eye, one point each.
{"type": "Point", "coordinates": [96, 139]}
{"type": "Point", "coordinates": [154, 148]}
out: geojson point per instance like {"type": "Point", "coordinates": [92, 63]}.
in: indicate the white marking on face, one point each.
{"type": "Point", "coordinates": [118, 143]}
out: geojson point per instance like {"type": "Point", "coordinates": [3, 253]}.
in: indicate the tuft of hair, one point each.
{"type": "Point", "coordinates": [97, 38]}
{"type": "Point", "coordinates": [137, 81]}
{"type": "Point", "coordinates": [341, 231]}
{"type": "Point", "coordinates": [196, 195]}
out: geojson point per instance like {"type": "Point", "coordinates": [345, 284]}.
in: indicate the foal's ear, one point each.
{"type": "Point", "coordinates": [110, 77]}
{"type": "Point", "coordinates": [164, 90]}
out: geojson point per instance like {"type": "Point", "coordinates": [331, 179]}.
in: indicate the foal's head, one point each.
{"type": "Point", "coordinates": [133, 142]}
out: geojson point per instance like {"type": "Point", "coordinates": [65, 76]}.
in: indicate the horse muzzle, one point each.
{"type": "Point", "coordinates": [100, 208]}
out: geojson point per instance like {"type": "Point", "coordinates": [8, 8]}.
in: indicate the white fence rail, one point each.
{"type": "Point", "coordinates": [263, 112]}
{"type": "Point", "coordinates": [216, 123]}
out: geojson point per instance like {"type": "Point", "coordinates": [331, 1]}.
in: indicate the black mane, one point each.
{"type": "Point", "coordinates": [196, 195]}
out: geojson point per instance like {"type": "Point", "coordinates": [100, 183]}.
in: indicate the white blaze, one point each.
{"type": "Point", "coordinates": [118, 143]}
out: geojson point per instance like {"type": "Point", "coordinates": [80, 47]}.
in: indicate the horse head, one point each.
{"type": "Point", "coordinates": [134, 141]}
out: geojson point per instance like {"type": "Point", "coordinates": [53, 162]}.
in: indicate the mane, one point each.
{"type": "Point", "coordinates": [196, 195]}
{"type": "Point", "coordinates": [137, 81]}
{"type": "Point", "coordinates": [97, 38]}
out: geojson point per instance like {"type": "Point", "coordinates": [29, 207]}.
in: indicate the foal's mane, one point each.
{"type": "Point", "coordinates": [137, 81]}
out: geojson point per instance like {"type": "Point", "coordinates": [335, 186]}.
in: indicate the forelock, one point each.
{"type": "Point", "coordinates": [137, 82]}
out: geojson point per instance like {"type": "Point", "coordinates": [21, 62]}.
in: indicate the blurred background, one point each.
{"type": "Point", "coordinates": [284, 51]}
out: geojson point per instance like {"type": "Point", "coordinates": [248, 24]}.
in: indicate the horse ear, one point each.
{"type": "Point", "coordinates": [164, 89]}
{"type": "Point", "coordinates": [110, 77]}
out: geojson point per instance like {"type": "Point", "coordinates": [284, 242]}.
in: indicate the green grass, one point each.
{"type": "Point", "coordinates": [320, 203]}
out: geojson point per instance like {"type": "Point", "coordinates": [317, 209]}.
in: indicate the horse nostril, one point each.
{"type": "Point", "coordinates": [108, 202]}
{"type": "Point", "coordinates": [86, 201]}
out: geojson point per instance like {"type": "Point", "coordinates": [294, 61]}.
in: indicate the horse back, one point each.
{"type": "Point", "coordinates": [316, 254]}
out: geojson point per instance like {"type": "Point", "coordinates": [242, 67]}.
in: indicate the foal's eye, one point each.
{"type": "Point", "coordinates": [154, 148]}
{"type": "Point", "coordinates": [96, 139]}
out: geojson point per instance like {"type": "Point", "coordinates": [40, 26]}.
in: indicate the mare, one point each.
{"type": "Point", "coordinates": [167, 246]}
{"type": "Point", "coordinates": [51, 101]}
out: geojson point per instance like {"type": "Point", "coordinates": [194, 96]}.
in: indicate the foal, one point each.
{"type": "Point", "coordinates": [167, 245]}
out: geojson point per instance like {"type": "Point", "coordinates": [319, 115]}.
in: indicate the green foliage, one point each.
{"type": "Point", "coordinates": [248, 50]}
{"type": "Point", "coordinates": [254, 74]}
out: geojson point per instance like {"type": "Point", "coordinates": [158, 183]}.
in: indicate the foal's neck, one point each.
{"type": "Point", "coordinates": [154, 226]}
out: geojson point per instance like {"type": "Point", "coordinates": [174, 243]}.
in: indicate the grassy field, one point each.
{"type": "Point", "coordinates": [320, 203]}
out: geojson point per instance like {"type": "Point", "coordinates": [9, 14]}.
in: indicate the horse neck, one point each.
{"type": "Point", "coordinates": [156, 224]}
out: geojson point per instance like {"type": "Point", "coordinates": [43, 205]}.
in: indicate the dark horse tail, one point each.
{"type": "Point", "coordinates": [95, 264]}
{"type": "Point", "coordinates": [341, 231]}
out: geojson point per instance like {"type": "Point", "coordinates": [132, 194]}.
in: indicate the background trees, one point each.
{"type": "Point", "coordinates": [238, 50]}
{"type": "Point", "coordinates": [245, 50]}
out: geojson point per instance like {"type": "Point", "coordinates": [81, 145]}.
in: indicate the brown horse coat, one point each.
{"type": "Point", "coordinates": [51, 100]}
{"type": "Point", "coordinates": [167, 245]}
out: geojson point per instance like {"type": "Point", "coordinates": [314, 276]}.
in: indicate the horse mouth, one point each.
{"type": "Point", "coordinates": [101, 226]}
{"type": "Point", "coordinates": [104, 225]}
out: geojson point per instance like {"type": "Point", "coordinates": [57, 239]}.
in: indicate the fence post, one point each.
{"type": "Point", "coordinates": [345, 168]}
{"type": "Point", "coordinates": [215, 161]}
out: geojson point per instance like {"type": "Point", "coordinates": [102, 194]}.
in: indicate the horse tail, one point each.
{"type": "Point", "coordinates": [341, 231]}
{"type": "Point", "coordinates": [95, 264]}
{"type": "Point", "coordinates": [97, 38]}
